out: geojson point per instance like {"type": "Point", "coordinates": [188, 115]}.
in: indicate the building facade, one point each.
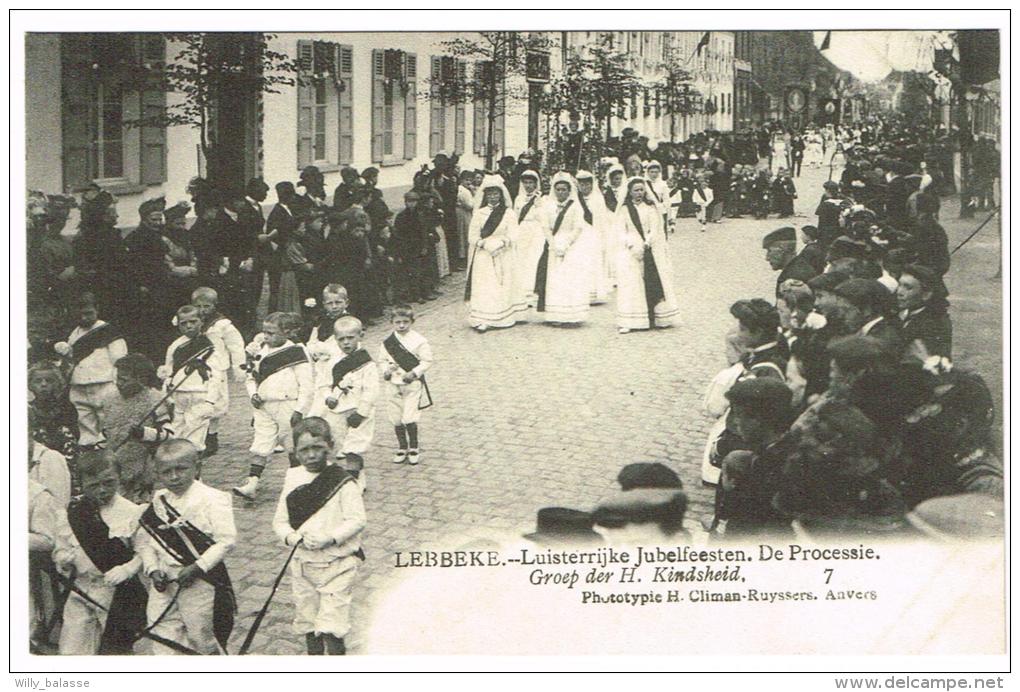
{"type": "Point", "coordinates": [364, 99]}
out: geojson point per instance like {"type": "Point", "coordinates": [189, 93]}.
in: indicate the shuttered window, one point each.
{"type": "Point", "coordinates": [461, 117]}
{"type": "Point", "coordinates": [411, 107]}
{"type": "Point", "coordinates": [437, 108]}
{"type": "Point", "coordinates": [394, 106]}
{"type": "Point", "coordinates": [102, 102]}
{"type": "Point", "coordinates": [325, 132]}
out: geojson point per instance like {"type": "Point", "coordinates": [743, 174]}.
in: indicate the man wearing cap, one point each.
{"type": "Point", "coordinates": [781, 253]}
{"type": "Point", "coordinates": [898, 189]}
{"type": "Point", "coordinates": [343, 195]}
{"type": "Point", "coordinates": [922, 316]}
{"type": "Point", "coordinates": [145, 269]}
{"type": "Point", "coordinates": [312, 180]}
{"type": "Point", "coordinates": [760, 412]}
{"type": "Point", "coordinates": [648, 475]}
{"type": "Point", "coordinates": [812, 251]}
{"type": "Point", "coordinates": [866, 307]}
{"type": "Point", "coordinates": [507, 165]}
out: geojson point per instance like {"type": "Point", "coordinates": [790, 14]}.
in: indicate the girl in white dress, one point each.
{"type": "Point", "coordinates": [562, 282]}
{"type": "Point", "coordinates": [491, 276]}
{"type": "Point", "coordinates": [529, 214]}
{"type": "Point", "coordinates": [645, 295]}
{"type": "Point", "coordinates": [600, 219]}
{"type": "Point", "coordinates": [658, 190]}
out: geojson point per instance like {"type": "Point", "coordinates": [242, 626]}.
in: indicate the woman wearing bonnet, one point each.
{"type": "Point", "coordinates": [491, 280]}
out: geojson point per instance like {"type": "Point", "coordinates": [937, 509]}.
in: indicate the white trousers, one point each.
{"type": "Point", "coordinates": [272, 427]}
{"type": "Point", "coordinates": [83, 625]}
{"type": "Point", "coordinates": [189, 621]}
{"type": "Point", "coordinates": [89, 400]}
{"type": "Point", "coordinates": [192, 413]}
{"type": "Point", "coordinates": [402, 402]}
{"type": "Point", "coordinates": [322, 595]}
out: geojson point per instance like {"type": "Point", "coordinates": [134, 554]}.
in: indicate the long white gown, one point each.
{"type": "Point", "coordinates": [601, 253]}
{"type": "Point", "coordinates": [632, 309]}
{"type": "Point", "coordinates": [492, 267]}
{"type": "Point", "coordinates": [530, 241]}
{"type": "Point", "coordinates": [567, 265]}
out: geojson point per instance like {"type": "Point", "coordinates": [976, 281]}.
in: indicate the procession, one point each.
{"type": "Point", "coordinates": [244, 402]}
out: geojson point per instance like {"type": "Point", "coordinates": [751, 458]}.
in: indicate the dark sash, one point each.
{"type": "Point", "coordinates": [188, 350]}
{"type": "Point", "coordinates": [488, 228]}
{"type": "Point", "coordinates": [305, 500]}
{"type": "Point", "coordinates": [611, 200]}
{"type": "Point", "coordinates": [408, 362]}
{"type": "Point", "coordinates": [526, 208]}
{"type": "Point", "coordinates": [172, 541]}
{"type": "Point", "coordinates": [281, 360]}
{"type": "Point", "coordinates": [653, 283]}
{"type": "Point", "coordinates": [127, 610]}
{"type": "Point", "coordinates": [542, 273]}
{"type": "Point", "coordinates": [349, 364]}
{"type": "Point", "coordinates": [589, 218]}
{"type": "Point", "coordinates": [652, 189]}
{"type": "Point", "coordinates": [324, 327]}
{"type": "Point", "coordinates": [100, 337]}
{"type": "Point", "coordinates": [93, 535]}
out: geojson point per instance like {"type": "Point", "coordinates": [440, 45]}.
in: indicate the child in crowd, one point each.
{"type": "Point", "coordinates": [95, 346]}
{"type": "Point", "coordinates": [404, 356]}
{"type": "Point", "coordinates": [346, 392]}
{"type": "Point", "coordinates": [281, 385]}
{"type": "Point", "coordinates": [97, 543]}
{"type": "Point", "coordinates": [136, 393]}
{"type": "Point", "coordinates": [52, 418]}
{"type": "Point", "coordinates": [193, 368]}
{"type": "Point", "coordinates": [321, 512]}
{"type": "Point", "coordinates": [214, 323]}
{"type": "Point", "coordinates": [188, 530]}
{"type": "Point", "coordinates": [50, 469]}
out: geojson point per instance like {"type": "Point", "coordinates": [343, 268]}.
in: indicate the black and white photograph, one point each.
{"type": "Point", "coordinates": [552, 341]}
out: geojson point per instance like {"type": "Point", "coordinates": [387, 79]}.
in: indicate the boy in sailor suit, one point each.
{"type": "Point", "coordinates": [281, 385]}
{"type": "Point", "coordinates": [186, 532]}
{"type": "Point", "coordinates": [195, 362]}
{"type": "Point", "coordinates": [404, 357]}
{"type": "Point", "coordinates": [216, 325]}
{"type": "Point", "coordinates": [95, 347]}
{"type": "Point", "coordinates": [97, 541]}
{"type": "Point", "coordinates": [345, 395]}
{"type": "Point", "coordinates": [321, 512]}
{"type": "Point", "coordinates": [320, 343]}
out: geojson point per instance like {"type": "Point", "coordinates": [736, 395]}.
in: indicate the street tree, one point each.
{"type": "Point", "coordinates": [676, 89]}
{"type": "Point", "coordinates": [211, 73]}
{"type": "Point", "coordinates": [497, 81]}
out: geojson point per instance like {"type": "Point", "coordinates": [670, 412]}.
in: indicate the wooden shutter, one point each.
{"type": "Point", "coordinates": [411, 107]}
{"type": "Point", "coordinates": [305, 104]}
{"type": "Point", "coordinates": [436, 112]}
{"type": "Point", "coordinates": [378, 84]}
{"type": "Point", "coordinates": [76, 87]}
{"type": "Point", "coordinates": [345, 100]}
{"type": "Point", "coordinates": [478, 115]}
{"type": "Point", "coordinates": [461, 117]}
{"type": "Point", "coordinates": [153, 107]}
{"type": "Point", "coordinates": [499, 127]}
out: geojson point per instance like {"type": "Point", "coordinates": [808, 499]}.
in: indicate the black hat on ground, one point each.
{"type": "Point", "coordinates": [561, 525]}
{"type": "Point", "coordinates": [648, 475]}
{"type": "Point", "coordinates": [641, 506]}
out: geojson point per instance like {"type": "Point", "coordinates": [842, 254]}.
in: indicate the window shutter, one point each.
{"type": "Point", "coordinates": [345, 69]}
{"type": "Point", "coordinates": [411, 107]}
{"type": "Point", "coordinates": [76, 82]}
{"type": "Point", "coordinates": [499, 128]}
{"type": "Point", "coordinates": [436, 114]}
{"type": "Point", "coordinates": [378, 84]}
{"type": "Point", "coordinates": [153, 137]}
{"type": "Point", "coordinates": [306, 103]}
{"type": "Point", "coordinates": [461, 118]}
{"type": "Point", "coordinates": [478, 114]}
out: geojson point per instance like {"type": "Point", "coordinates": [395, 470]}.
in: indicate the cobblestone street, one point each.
{"type": "Point", "coordinates": [537, 415]}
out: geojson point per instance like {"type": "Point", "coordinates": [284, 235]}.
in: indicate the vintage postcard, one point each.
{"type": "Point", "coordinates": [555, 340]}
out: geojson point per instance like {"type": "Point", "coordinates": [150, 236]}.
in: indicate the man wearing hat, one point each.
{"type": "Point", "coordinates": [866, 307]}
{"type": "Point", "coordinates": [643, 516]}
{"type": "Point", "coordinates": [923, 317]}
{"type": "Point", "coordinates": [812, 251]}
{"type": "Point", "coordinates": [506, 166]}
{"type": "Point", "coordinates": [898, 190]}
{"type": "Point", "coordinates": [563, 527]}
{"type": "Point", "coordinates": [781, 253]}
{"type": "Point", "coordinates": [313, 182]}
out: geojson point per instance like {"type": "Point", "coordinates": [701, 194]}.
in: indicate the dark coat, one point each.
{"type": "Point", "coordinates": [799, 268]}
{"type": "Point", "coordinates": [933, 329]}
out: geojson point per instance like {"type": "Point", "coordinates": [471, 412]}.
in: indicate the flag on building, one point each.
{"type": "Point", "coordinates": [702, 43]}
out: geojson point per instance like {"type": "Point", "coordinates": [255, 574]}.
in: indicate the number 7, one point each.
{"type": "Point", "coordinates": [828, 575]}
